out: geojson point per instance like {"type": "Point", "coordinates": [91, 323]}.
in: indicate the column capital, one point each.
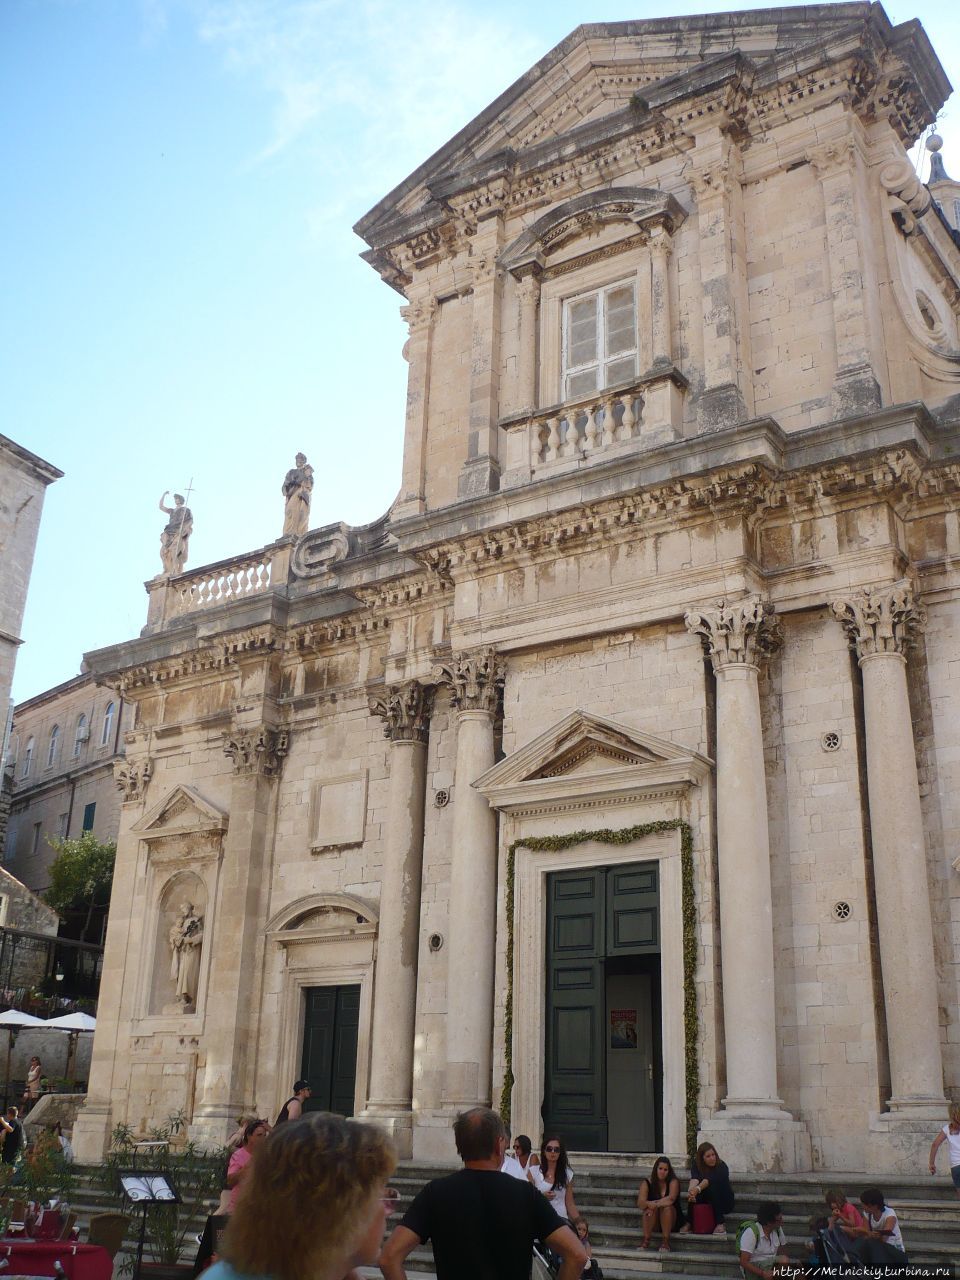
{"type": "Point", "coordinates": [131, 778]}
{"type": "Point", "coordinates": [258, 749]}
{"type": "Point", "coordinates": [880, 620]}
{"type": "Point", "coordinates": [737, 634]}
{"type": "Point", "coordinates": [405, 711]}
{"type": "Point", "coordinates": [475, 680]}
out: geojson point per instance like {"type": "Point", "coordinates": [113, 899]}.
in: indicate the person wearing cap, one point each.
{"type": "Point", "coordinates": [293, 1107]}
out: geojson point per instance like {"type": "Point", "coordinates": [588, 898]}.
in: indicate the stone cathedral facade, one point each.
{"type": "Point", "coordinates": [614, 775]}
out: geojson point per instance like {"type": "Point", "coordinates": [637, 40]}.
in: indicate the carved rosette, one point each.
{"type": "Point", "coordinates": [405, 711]}
{"type": "Point", "coordinates": [475, 680]}
{"type": "Point", "coordinates": [743, 633]}
{"type": "Point", "coordinates": [881, 620]}
{"type": "Point", "coordinates": [256, 751]}
{"type": "Point", "coordinates": [131, 777]}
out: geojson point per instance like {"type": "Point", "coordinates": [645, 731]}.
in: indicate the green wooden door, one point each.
{"type": "Point", "coordinates": [330, 1026]}
{"type": "Point", "coordinates": [593, 915]}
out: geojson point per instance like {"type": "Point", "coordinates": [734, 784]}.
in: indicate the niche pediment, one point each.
{"type": "Point", "coordinates": [182, 811]}
{"type": "Point", "coordinates": [591, 758]}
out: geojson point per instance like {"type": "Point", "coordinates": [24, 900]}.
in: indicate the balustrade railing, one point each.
{"type": "Point", "coordinates": [577, 432]}
{"type": "Point", "coordinates": [215, 584]}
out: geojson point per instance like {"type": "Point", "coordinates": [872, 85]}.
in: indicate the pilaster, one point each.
{"type": "Point", "coordinates": [481, 471]}
{"type": "Point", "coordinates": [419, 315]}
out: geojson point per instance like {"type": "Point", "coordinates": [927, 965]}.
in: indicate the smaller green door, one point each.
{"type": "Point", "coordinates": [330, 1025]}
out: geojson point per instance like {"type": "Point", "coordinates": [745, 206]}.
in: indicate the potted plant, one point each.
{"type": "Point", "coordinates": [44, 1174]}
{"type": "Point", "coordinates": [196, 1175]}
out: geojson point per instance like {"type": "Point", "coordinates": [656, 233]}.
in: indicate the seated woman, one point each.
{"type": "Point", "coordinates": [659, 1203]}
{"type": "Point", "coordinates": [710, 1184]}
{"type": "Point", "coordinates": [522, 1159]}
{"type": "Point", "coordinates": [878, 1242]}
{"type": "Point", "coordinates": [312, 1207]}
{"type": "Point", "coordinates": [554, 1177]}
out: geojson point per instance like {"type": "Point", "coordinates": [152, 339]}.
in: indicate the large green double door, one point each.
{"type": "Point", "coordinates": [331, 1021]}
{"type": "Point", "coordinates": [602, 1054]}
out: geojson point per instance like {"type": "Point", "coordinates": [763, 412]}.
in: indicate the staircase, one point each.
{"type": "Point", "coordinates": [606, 1194]}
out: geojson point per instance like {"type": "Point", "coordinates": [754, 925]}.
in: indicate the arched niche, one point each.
{"type": "Point", "coordinates": [179, 940]}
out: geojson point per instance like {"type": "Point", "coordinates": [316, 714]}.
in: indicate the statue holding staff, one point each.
{"type": "Point", "coordinates": [176, 534]}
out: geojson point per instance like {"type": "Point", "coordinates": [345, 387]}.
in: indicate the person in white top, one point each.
{"type": "Point", "coordinates": [879, 1243]}
{"type": "Point", "coordinates": [949, 1134]}
{"type": "Point", "coordinates": [763, 1247]}
{"type": "Point", "coordinates": [554, 1177]}
{"type": "Point", "coordinates": [517, 1161]}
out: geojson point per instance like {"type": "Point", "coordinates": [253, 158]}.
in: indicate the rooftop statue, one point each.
{"type": "Point", "coordinates": [297, 487]}
{"type": "Point", "coordinates": [176, 534]}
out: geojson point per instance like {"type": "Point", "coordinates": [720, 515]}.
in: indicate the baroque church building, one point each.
{"type": "Point", "coordinates": [613, 777]}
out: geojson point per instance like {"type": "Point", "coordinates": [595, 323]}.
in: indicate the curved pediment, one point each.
{"type": "Point", "coordinates": [589, 756]}
{"type": "Point", "coordinates": [634, 207]}
{"type": "Point", "coordinates": [337, 914]}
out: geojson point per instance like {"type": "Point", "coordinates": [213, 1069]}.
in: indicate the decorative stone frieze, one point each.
{"type": "Point", "coordinates": [258, 750]}
{"type": "Point", "coordinates": [881, 619]}
{"type": "Point", "coordinates": [131, 777]}
{"type": "Point", "coordinates": [736, 634]}
{"type": "Point", "coordinates": [475, 680]}
{"type": "Point", "coordinates": [405, 711]}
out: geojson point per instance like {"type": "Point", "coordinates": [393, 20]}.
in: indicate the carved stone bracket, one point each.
{"type": "Point", "coordinates": [881, 619]}
{"type": "Point", "coordinates": [743, 633]}
{"type": "Point", "coordinates": [405, 710]}
{"type": "Point", "coordinates": [260, 750]}
{"type": "Point", "coordinates": [131, 777]}
{"type": "Point", "coordinates": [475, 680]}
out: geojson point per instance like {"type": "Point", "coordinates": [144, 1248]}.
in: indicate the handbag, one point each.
{"type": "Point", "coordinates": [702, 1219]}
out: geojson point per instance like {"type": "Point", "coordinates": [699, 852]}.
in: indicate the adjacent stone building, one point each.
{"type": "Point", "coordinates": [613, 776]}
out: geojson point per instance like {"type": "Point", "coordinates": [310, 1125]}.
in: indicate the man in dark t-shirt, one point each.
{"type": "Point", "coordinates": [13, 1142]}
{"type": "Point", "coordinates": [481, 1222]}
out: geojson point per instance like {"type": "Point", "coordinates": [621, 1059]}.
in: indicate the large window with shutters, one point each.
{"type": "Point", "coordinates": [599, 340]}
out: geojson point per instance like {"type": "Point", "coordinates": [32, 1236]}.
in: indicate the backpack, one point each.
{"type": "Point", "coordinates": [748, 1224]}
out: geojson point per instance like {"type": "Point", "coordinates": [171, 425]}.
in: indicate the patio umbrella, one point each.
{"type": "Point", "coordinates": [74, 1023]}
{"type": "Point", "coordinates": [13, 1021]}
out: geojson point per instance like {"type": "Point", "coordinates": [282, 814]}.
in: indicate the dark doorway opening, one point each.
{"type": "Point", "coordinates": [331, 1022]}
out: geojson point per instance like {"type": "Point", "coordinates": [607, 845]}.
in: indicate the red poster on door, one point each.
{"type": "Point", "coordinates": [623, 1028]}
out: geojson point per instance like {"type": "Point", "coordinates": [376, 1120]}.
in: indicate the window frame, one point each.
{"type": "Point", "coordinates": [28, 757]}
{"type": "Point", "coordinates": [53, 747]}
{"type": "Point", "coordinates": [599, 293]}
{"type": "Point", "coordinates": [79, 740]}
{"type": "Point", "coordinates": [109, 712]}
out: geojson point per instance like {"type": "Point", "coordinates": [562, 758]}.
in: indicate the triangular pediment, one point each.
{"type": "Point", "coordinates": [181, 810]}
{"type": "Point", "coordinates": [586, 749]}
{"type": "Point", "coordinates": [613, 70]}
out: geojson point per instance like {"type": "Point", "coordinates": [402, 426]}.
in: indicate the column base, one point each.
{"type": "Point", "coordinates": [478, 476]}
{"type": "Point", "coordinates": [462, 1089]}
{"type": "Point", "coordinates": [855, 392]}
{"type": "Point", "coordinates": [899, 1141]}
{"type": "Point", "coordinates": [720, 407]}
{"type": "Point", "coordinates": [91, 1132]}
{"type": "Point", "coordinates": [758, 1138]}
{"type": "Point", "coordinates": [396, 1121]}
{"type": "Point", "coordinates": [213, 1124]}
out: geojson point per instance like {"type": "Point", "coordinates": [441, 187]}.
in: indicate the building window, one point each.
{"type": "Point", "coordinates": [89, 811]}
{"type": "Point", "coordinates": [27, 759]}
{"type": "Point", "coordinates": [10, 849]}
{"type": "Point", "coordinates": [35, 844]}
{"type": "Point", "coordinates": [81, 735]}
{"type": "Point", "coordinates": [54, 746]}
{"type": "Point", "coordinates": [62, 825]}
{"type": "Point", "coordinates": [107, 724]}
{"type": "Point", "coordinates": [599, 340]}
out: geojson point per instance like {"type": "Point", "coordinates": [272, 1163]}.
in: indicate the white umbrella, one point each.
{"type": "Point", "coordinates": [13, 1021]}
{"type": "Point", "coordinates": [70, 1022]}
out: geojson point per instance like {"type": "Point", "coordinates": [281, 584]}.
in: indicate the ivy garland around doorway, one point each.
{"type": "Point", "coordinates": [624, 835]}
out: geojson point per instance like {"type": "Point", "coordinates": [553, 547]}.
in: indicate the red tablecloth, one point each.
{"type": "Point", "coordinates": [36, 1258]}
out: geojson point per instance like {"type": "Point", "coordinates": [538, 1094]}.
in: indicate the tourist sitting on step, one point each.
{"type": "Point", "coordinates": [592, 1270]}
{"type": "Point", "coordinates": [949, 1134]}
{"type": "Point", "coordinates": [845, 1219]}
{"type": "Point", "coordinates": [710, 1196]}
{"type": "Point", "coordinates": [554, 1177]}
{"type": "Point", "coordinates": [659, 1203]}
{"type": "Point", "coordinates": [761, 1243]}
{"type": "Point", "coordinates": [878, 1242]}
{"type": "Point", "coordinates": [522, 1157]}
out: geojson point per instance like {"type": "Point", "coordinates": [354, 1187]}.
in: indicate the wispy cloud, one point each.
{"type": "Point", "coordinates": [370, 87]}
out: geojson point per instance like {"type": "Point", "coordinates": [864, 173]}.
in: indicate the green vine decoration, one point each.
{"type": "Point", "coordinates": [624, 835]}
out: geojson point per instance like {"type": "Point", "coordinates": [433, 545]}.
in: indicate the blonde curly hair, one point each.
{"type": "Point", "coordinates": [308, 1199]}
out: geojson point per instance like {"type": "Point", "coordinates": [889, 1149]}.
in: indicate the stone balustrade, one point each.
{"type": "Point", "coordinates": [641, 415]}
{"type": "Point", "coordinates": [220, 583]}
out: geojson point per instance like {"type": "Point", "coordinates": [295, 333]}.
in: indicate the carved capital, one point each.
{"type": "Point", "coordinates": [419, 314]}
{"type": "Point", "coordinates": [405, 711]}
{"type": "Point", "coordinates": [475, 680]}
{"type": "Point", "coordinates": [743, 633]}
{"type": "Point", "coordinates": [258, 750]}
{"type": "Point", "coordinates": [131, 777]}
{"type": "Point", "coordinates": [832, 157]}
{"type": "Point", "coordinates": [713, 181]}
{"type": "Point", "coordinates": [881, 619]}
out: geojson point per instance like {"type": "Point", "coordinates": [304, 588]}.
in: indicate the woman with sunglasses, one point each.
{"type": "Point", "coordinates": [521, 1160]}
{"type": "Point", "coordinates": [554, 1177]}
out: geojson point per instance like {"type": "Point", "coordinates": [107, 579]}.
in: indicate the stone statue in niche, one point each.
{"type": "Point", "coordinates": [297, 487]}
{"type": "Point", "coordinates": [186, 939]}
{"type": "Point", "coordinates": [176, 534]}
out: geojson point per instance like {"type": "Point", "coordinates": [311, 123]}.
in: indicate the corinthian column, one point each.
{"type": "Point", "coordinates": [881, 624]}
{"type": "Point", "coordinates": [476, 684]}
{"type": "Point", "coordinates": [405, 711]}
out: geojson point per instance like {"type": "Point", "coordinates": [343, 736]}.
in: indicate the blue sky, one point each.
{"type": "Point", "coordinates": [183, 293]}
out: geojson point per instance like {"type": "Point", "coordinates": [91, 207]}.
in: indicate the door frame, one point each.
{"type": "Point", "coordinates": [530, 993]}
{"type": "Point", "coordinates": [294, 1014]}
